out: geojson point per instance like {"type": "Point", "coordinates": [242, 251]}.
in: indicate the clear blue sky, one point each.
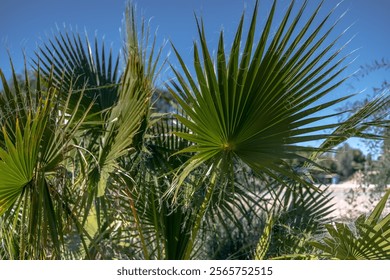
{"type": "Point", "coordinates": [25, 23]}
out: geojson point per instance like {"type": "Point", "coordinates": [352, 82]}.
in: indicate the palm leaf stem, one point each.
{"type": "Point", "coordinates": [138, 225]}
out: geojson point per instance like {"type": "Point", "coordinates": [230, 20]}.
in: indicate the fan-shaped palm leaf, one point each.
{"type": "Point", "coordinates": [257, 105]}
{"type": "Point", "coordinates": [74, 63]}
{"type": "Point", "coordinates": [33, 150]}
{"type": "Point", "coordinates": [260, 106]}
{"type": "Point", "coordinates": [299, 215]}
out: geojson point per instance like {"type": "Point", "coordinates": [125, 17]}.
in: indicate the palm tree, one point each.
{"type": "Point", "coordinates": [62, 140]}
{"type": "Point", "coordinates": [258, 105]}
{"type": "Point", "coordinates": [89, 169]}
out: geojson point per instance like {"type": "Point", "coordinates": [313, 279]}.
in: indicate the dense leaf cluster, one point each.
{"type": "Point", "coordinates": [92, 168]}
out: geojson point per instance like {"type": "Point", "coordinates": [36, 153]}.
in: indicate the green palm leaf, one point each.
{"type": "Point", "coordinates": [369, 240]}
{"type": "Point", "coordinates": [31, 202]}
{"type": "Point", "coordinates": [18, 161]}
{"type": "Point", "coordinates": [300, 214]}
{"type": "Point", "coordinates": [76, 64]}
{"type": "Point", "coordinates": [264, 241]}
{"type": "Point", "coordinates": [126, 119]}
{"type": "Point", "coordinates": [258, 104]}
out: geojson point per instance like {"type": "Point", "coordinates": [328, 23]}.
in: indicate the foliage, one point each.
{"type": "Point", "coordinates": [92, 166]}
{"type": "Point", "coordinates": [342, 163]}
{"type": "Point", "coordinates": [378, 172]}
{"type": "Point", "coordinates": [349, 160]}
{"type": "Point", "coordinates": [369, 239]}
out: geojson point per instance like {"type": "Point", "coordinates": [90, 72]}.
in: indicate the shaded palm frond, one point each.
{"type": "Point", "coordinates": [74, 63]}
{"type": "Point", "coordinates": [299, 215]}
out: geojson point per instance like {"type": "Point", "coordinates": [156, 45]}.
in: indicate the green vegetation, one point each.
{"type": "Point", "coordinates": [92, 167]}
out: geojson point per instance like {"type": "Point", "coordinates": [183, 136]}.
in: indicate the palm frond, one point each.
{"type": "Point", "coordinates": [258, 104]}
{"type": "Point", "coordinates": [126, 118]}
{"type": "Point", "coordinates": [74, 63]}
{"type": "Point", "coordinates": [32, 151]}
{"type": "Point", "coordinates": [300, 214]}
{"type": "Point", "coordinates": [369, 238]}
{"type": "Point", "coordinates": [264, 241]}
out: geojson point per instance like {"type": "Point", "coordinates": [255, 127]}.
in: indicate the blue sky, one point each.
{"type": "Point", "coordinates": [24, 24]}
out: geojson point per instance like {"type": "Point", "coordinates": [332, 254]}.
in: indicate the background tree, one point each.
{"type": "Point", "coordinates": [379, 169]}
{"type": "Point", "coordinates": [349, 160]}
